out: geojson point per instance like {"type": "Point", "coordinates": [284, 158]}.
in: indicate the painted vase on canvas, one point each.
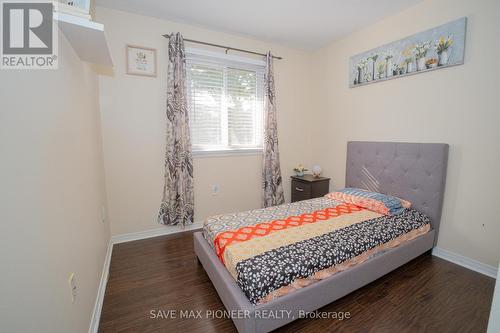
{"type": "Point", "coordinates": [421, 64]}
{"type": "Point", "coordinates": [443, 58]}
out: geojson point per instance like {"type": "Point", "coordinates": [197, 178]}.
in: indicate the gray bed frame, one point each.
{"type": "Point", "coordinates": [413, 171]}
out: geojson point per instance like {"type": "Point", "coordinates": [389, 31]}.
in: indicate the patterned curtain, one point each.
{"type": "Point", "coordinates": [177, 206]}
{"type": "Point", "coordinates": [272, 185]}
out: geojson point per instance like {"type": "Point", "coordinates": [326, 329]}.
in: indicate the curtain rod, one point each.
{"type": "Point", "coordinates": [224, 47]}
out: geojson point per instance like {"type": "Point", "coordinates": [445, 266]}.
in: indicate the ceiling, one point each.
{"type": "Point", "coordinates": [304, 24]}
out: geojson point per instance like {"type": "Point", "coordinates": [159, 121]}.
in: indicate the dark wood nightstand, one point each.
{"type": "Point", "coordinates": [308, 187]}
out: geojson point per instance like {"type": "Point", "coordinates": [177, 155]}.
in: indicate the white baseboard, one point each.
{"type": "Point", "coordinates": [116, 239]}
{"type": "Point", "coordinates": [166, 230]}
{"type": "Point", "coordinates": [96, 314]}
{"type": "Point", "coordinates": [465, 262]}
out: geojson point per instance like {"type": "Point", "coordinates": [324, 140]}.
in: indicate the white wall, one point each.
{"type": "Point", "coordinates": [133, 127]}
{"type": "Point", "coordinates": [458, 105]}
{"type": "Point", "coordinates": [51, 176]}
{"type": "Point", "coordinates": [317, 115]}
{"type": "Point", "coordinates": [494, 321]}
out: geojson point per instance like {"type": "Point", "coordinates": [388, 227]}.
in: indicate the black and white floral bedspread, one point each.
{"type": "Point", "coordinates": [264, 273]}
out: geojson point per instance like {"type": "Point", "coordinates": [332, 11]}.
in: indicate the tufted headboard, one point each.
{"type": "Point", "coordinates": [411, 171]}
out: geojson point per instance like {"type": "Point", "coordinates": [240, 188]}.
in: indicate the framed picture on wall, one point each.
{"type": "Point", "coordinates": [80, 8]}
{"type": "Point", "coordinates": [141, 61]}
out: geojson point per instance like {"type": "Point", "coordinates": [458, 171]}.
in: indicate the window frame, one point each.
{"type": "Point", "coordinates": [228, 61]}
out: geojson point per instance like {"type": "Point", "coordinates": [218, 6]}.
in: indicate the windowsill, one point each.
{"type": "Point", "coordinates": [227, 152]}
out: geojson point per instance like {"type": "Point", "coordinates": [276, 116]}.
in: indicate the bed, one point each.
{"type": "Point", "coordinates": [413, 171]}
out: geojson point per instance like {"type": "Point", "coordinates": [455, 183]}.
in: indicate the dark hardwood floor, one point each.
{"type": "Point", "coordinates": [426, 295]}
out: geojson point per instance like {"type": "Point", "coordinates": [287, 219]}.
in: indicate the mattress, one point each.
{"type": "Point", "coordinates": [273, 251]}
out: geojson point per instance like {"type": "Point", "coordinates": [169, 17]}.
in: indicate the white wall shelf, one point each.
{"type": "Point", "coordinates": [86, 37]}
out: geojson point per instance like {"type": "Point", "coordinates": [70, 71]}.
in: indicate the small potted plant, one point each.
{"type": "Point", "coordinates": [420, 52]}
{"type": "Point", "coordinates": [442, 46]}
{"type": "Point", "coordinates": [299, 170]}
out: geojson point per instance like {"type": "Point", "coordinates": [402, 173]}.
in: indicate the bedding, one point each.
{"type": "Point", "coordinates": [405, 203]}
{"type": "Point", "coordinates": [273, 251]}
{"type": "Point", "coordinates": [378, 202]}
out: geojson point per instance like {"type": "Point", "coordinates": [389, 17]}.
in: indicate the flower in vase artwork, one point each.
{"type": "Point", "coordinates": [436, 48]}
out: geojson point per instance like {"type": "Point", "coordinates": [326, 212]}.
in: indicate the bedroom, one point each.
{"type": "Point", "coordinates": [83, 161]}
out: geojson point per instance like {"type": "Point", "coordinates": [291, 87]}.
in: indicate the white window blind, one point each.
{"type": "Point", "coordinates": [225, 102]}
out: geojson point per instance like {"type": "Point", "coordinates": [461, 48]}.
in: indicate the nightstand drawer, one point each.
{"type": "Point", "coordinates": [300, 191]}
{"type": "Point", "coordinates": [309, 187]}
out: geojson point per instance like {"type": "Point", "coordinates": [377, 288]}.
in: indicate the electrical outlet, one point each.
{"type": "Point", "coordinates": [215, 189]}
{"type": "Point", "coordinates": [72, 286]}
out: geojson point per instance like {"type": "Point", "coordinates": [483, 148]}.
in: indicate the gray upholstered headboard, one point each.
{"type": "Point", "coordinates": [411, 171]}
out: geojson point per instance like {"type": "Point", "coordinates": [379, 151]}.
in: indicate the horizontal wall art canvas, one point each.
{"type": "Point", "coordinates": [436, 48]}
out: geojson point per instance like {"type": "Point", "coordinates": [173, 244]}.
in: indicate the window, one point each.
{"type": "Point", "coordinates": [225, 102]}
